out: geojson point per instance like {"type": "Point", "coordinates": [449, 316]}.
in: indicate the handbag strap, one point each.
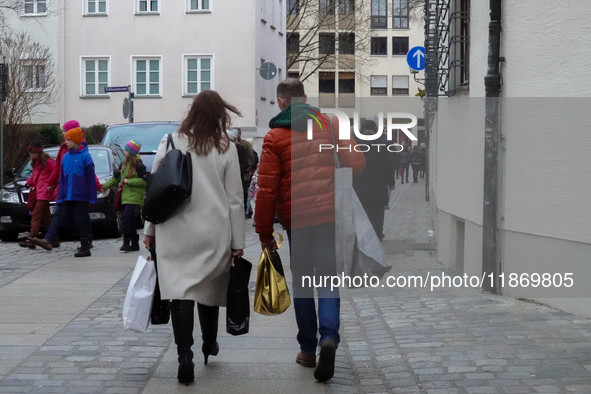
{"type": "Point", "coordinates": [170, 142]}
{"type": "Point", "coordinates": [38, 175]}
{"type": "Point", "coordinates": [123, 183]}
{"type": "Point", "coordinates": [337, 161]}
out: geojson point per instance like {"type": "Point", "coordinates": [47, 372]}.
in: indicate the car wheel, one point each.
{"type": "Point", "coordinates": [8, 237]}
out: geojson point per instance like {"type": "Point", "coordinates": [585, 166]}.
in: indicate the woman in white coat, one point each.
{"type": "Point", "coordinates": [196, 245]}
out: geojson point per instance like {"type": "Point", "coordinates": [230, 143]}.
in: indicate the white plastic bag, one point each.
{"type": "Point", "coordinates": [138, 301]}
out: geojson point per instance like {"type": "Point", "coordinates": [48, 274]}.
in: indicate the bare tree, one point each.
{"type": "Point", "coordinates": [321, 33]}
{"type": "Point", "coordinates": [31, 84]}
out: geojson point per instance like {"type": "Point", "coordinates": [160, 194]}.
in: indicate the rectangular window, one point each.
{"type": "Point", "coordinates": [379, 14]}
{"type": "Point", "coordinates": [346, 7]}
{"type": "Point", "coordinates": [95, 76]}
{"type": "Point", "coordinates": [148, 6]}
{"type": "Point", "coordinates": [400, 14]}
{"type": "Point", "coordinates": [35, 7]}
{"type": "Point", "coordinates": [199, 74]}
{"type": "Point", "coordinates": [400, 85]}
{"type": "Point", "coordinates": [293, 43]}
{"type": "Point", "coordinates": [327, 7]}
{"type": "Point", "coordinates": [379, 46]}
{"type": "Point", "coordinates": [293, 7]}
{"type": "Point", "coordinates": [326, 82]}
{"type": "Point", "coordinates": [379, 85]}
{"type": "Point", "coordinates": [96, 7]}
{"type": "Point", "coordinates": [346, 43]}
{"type": "Point", "coordinates": [35, 78]}
{"type": "Point", "coordinates": [199, 5]}
{"type": "Point", "coordinates": [326, 42]}
{"type": "Point", "coordinates": [293, 74]}
{"type": "Point", "coordinates": [346, 83]}
{"type": "Point", "coordinates": [147, 76]}
{"type": "Point", "coordinates": [399, 46]}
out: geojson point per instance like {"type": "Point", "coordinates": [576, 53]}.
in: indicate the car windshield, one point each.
{"type": "Point", "coordinates": [100, 156]}
{"type": "Point", "coordinates": [147, 134]}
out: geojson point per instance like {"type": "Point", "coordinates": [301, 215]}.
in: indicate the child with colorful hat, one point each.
{"type": "Point", "coordinates": [131, 184]}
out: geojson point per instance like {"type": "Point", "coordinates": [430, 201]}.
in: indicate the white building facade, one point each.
{"type": "Point", "coordinates": [166, 52]}
{"type": "Point", "coordinates": [543, 222]}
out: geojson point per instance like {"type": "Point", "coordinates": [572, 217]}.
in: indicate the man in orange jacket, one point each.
{"type": "Point", "coordinates": [296, 182]}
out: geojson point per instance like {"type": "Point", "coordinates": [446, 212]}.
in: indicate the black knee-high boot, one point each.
{"type": "Point", "coordinates": [182, 314]}
{"type": "Point", "coordinates": [208, 320]}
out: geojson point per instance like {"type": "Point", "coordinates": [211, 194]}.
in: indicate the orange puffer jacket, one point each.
{"type": "Point", "coordinates": [296, 180]}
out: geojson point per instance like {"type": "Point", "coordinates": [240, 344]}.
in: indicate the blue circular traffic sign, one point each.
{"type": "Point", "coordinates": [416, 58]}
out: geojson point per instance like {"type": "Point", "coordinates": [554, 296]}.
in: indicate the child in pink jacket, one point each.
{"type": "Point", "coordinates": [43, 166]}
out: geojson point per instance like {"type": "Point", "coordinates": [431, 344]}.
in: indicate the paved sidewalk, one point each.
{"type": "Point", "coordinates": [61, 331]}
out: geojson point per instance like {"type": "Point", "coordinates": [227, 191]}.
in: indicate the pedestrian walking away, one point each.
{"type": "Point", "coordinates": [404, 162]}
{"type": "Point", "coordinates": [373, 183]}
{"type": "Point", "coordinates": [196, 245]}
{"type": "Point", "coordinates": [415, 161]}
{"type": "Point", "coordinates": [77, 188]}
{"type": "Point", "coordinates": [43, 166]}
{"type": "Point", "coordinates": [131, 180]}
{"type": "Point", "coordinates": [297, 181]}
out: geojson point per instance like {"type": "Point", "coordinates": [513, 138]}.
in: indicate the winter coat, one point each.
{"type": "Point", "coordinates": [295, 179]}
{"type": "Point", "coordinates": [77, 178]}
{"type": "Point", "coordinates": [371, 185]}
{"type": "Point", "coordinates": [404, 156]}
{"type": "Point", "coordinates": [415, 158]}
{"type": "Point", "coordinates": [40, 179]}
{"type": "Point", "coordinates": [55, 175]}
{"type": "Point", "coordinates": [194, 245]}
{"type": "Point", "coordinates": [134, 191]}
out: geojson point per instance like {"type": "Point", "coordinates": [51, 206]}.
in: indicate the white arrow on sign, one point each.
{"type": "Point", "coordinates": [418, 55]}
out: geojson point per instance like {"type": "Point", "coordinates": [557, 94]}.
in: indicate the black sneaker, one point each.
{"type": "Point", "coordinates": [325, 369]}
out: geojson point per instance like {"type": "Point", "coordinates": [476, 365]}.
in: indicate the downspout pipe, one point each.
{"type": "Point", "coordinates": [491, 265]}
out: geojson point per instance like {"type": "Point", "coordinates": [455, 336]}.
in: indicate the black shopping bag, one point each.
{"type": "Point", "coordinates": [238, 304]}
{"type": "Point", "coordinates": [160, 308]}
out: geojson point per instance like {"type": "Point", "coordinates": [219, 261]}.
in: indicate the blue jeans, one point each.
{"type": "Point", "coordinates": [56, 223]}
{"type": "Point", "coordinates": [312, 253]}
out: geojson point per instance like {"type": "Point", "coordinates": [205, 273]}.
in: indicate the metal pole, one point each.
{"type": "Point", "coordinates": [492, 82]}
{"type": "Point", "coordinates": [2, 83]}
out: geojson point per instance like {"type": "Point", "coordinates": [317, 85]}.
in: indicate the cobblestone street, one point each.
{"type": "Point", "coordinates": [61, 331]}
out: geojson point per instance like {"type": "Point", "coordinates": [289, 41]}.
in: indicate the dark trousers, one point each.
{"type": "Point", "coordinates": [128, 219]}
{"type": "Point", "coordinates": [40, 214]}
{"type": "Point", "coordinates": [375, 213]}
{"type": "Point", "coordinates": [77, 212]}
{"type": "Point", "coordinates": [312, 251]}
{"type": "Point", "coordinates": [56, 223]}
{"type": "Point", "coordinates": [415, 172]}
{"type": "Point", "coordinates": [245, 186]}
{"type": "Point", "coordinates": [404, 171]}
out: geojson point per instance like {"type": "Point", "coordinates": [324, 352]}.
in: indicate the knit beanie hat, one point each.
{"type": "Point", "coordinates": [70, 124]}
{"type": "Point", "coordinates": [35, 147]}
{"type": "Point", "coordinates": [133, 147]}
{"type": "Point", "coordinates": [74, 135]}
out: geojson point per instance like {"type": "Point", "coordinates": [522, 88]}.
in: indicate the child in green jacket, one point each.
{"type": "Point", "coordinates": [131, 181]}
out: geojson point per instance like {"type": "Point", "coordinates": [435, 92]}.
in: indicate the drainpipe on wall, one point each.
{"type": "Point", "coordinates": [492, 82]}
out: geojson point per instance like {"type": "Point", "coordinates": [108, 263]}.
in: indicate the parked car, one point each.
{"type": "Point", "coordinates": [15, 217]}
{"type": "Point", "coordinates": [149, 134]}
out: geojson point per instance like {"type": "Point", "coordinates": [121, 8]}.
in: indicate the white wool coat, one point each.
{"type": "Point", "coordinates": [194, 245]}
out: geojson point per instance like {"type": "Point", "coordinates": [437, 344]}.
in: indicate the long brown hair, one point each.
{"type": "Point", "coordinates": [132, 160]}
{"type": "Point", "coordinates": [42, 160]}
{"type": "Point", "coordinates": [206, 123]}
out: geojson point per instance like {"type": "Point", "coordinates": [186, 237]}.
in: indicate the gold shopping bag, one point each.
{"type": "Point", "coordinates": [271, 295]}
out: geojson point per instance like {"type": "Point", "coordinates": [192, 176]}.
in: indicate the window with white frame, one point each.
{"type": "Point", "coordinates": [146, 76]}
{"type": "Point", "coordinates": [148, 6]}
{"type": "Point", "coordinates": [399, 84]}
{"type": "Point", "coordinates": [379, 85]}
{"type": "Point", "coordinates": [35, 77]}
{"type": "Point", "coordinates": [35, 7]}
{"type": "Point", "coordinates": [94, 7]}
{"type": "Point", "coordinates": [95, 76]}
{"type": "Point", "coordinates": [198, 74]}
{"type": "Point", "coordinates": [199, 5]}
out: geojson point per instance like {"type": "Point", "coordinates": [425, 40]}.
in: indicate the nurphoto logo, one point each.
{"type": "Point", "coordinates": [345, 129]}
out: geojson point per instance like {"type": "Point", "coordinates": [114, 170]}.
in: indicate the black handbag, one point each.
{"type": "Point", "coordinates": [170, 185]}
{"type": "Point", "coordinates": [238, 304]}
{"type": "Point", "coordinates": [160, 313]}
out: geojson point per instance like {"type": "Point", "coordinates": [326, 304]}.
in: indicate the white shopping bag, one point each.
{"type": "Point", "coordinates": [138, 301]}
